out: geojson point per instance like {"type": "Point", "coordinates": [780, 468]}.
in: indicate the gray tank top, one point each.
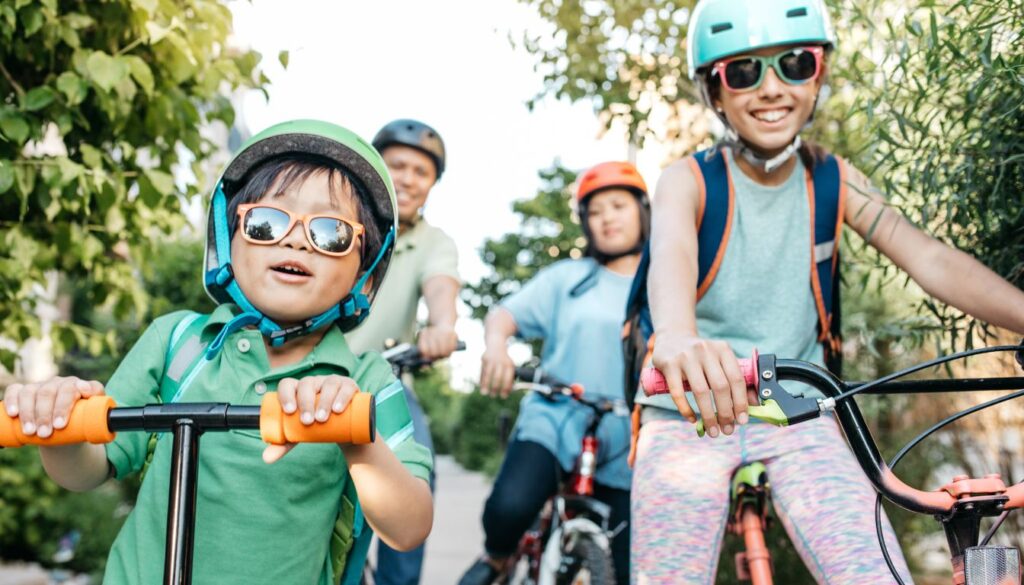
{"type": "Point", "coordinates": [762, 297]}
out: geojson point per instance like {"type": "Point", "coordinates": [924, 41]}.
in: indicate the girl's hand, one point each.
{"type": "Point", "coordinates": [713, 373]}
{"type": "Point", "coordinates": [46, 407]}
{"type": "Point", "coordinates": [497, 372]}
{"type": "Point", "coordinates": [316, 398]}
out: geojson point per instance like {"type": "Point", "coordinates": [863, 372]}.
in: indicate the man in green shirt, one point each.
{"type": "Point", "coordinates": [425, 265]}
{"type": "Point", "coordinates": [300, 235]}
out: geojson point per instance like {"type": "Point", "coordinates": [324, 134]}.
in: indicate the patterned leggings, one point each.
{"type": "Point", "coordinates": [681, 502]}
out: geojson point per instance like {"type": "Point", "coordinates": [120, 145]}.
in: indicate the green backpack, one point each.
{"type": "Point", "coordinates": [350, 539]}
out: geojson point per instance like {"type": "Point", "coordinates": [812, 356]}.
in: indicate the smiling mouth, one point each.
{"type": "Point", "coordinates": [770, 116]}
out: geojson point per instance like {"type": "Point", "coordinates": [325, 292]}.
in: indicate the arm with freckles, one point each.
{"type": "Point", "coordinates": [950, 275]}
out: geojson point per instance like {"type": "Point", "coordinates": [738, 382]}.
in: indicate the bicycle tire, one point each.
{"type": "Point", "coordinates": [593, 564]}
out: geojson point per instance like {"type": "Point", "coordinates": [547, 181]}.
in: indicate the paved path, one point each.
{"type": "Point", "coordinates": [458, 538]}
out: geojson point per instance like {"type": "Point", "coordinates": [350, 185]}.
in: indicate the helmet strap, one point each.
{"type": "Point", "coordinates": [356, 303]}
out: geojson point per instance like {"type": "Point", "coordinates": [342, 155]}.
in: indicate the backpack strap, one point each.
{"type": "Point", "coordinates": [350, 542]}
{"type": "Point", "coordinates": [826, 193]}
{"type": "Point", "coordinates": [182, 362]}
{"type": "Point", "coordinates": [714, 214]}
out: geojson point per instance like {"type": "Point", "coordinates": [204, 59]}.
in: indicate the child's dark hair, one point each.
{"type": "Point", "coordinates": [591, 250]}
{"type": "Point", "coordinates": [274, 177]}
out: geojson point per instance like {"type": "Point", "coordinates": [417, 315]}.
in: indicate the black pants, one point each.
{"type": "Point", "coordinates": [528, 477]}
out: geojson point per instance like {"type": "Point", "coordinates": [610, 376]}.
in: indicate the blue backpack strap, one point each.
{"type": "Point", "coordinates": [184, 356]}
{"type": "Point", "coordinates": [714, 221]}
{"type": "Point", "coordinates": [827, 197]}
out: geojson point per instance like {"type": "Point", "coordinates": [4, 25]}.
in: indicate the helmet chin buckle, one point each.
{"type": "Point", "coordinates": [769, 164]}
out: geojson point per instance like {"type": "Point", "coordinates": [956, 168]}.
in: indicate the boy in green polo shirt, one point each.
{"type": "Point", "coordinates": [301, 229]}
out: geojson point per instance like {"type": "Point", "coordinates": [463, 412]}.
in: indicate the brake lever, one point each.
{"type": "Point", "coordinates": [775, 404]}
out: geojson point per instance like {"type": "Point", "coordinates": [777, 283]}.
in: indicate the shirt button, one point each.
{"type": "Point", "coordinates": [243, 345]}
{"type": "Point", "coordinates": [260, 388]}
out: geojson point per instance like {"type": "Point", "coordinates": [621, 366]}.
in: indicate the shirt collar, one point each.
{"type": "Point", "coordinates": [332, 350]}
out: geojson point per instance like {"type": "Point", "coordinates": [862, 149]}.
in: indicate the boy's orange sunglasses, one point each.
{"type": "Point", "coordinates": [263, 223]}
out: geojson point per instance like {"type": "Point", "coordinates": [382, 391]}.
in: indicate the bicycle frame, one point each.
{"type": "Point", "coordinates": [574, 507]}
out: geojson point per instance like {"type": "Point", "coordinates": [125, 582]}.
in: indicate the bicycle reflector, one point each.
{"type": "Point", "coordinates": [992, 565]}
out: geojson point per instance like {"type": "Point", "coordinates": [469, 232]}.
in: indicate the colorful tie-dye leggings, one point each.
{"type": "Point", "coordinates": [681, 501]}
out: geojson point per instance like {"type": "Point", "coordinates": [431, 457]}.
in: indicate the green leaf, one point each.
{"type": "Point", "coordinates": [91, 156]}
{"type": "Point", "coordinates": [6, 176]}
{"type": "Point", "coordinates": [73, 87]}
{"type": "Point", "coordinates": [14, 127]}
{"type": "Point", "coordinates": [115, 220]}
{"type": "Point", "coordinates": [162, 182]}
{"type": "Point", "coordinates": [149, 6]}
{"type": "Point", "coordinates": [105, 71]}
{"type": "Point", "coordinates": [38, 98]}
{"type": "Point", "coordinates": [32, 20]}
{"type": "Point", "coordinates": [141, 72]}
{"type": "Point", "coordinates": [9, 15]}
{"type": "Point", "coordinates": [283, 58]}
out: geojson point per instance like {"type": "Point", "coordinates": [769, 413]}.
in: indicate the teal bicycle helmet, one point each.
{"type": "Point", "coordinates": [722, 28]}
{"type": "Point", "coordinates": [300, 137]}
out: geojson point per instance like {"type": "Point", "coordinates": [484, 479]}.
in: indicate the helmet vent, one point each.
{"type": "Point", "coordinates": [721, 27]}
{"type": "Point", "coordinates": [796, 12]}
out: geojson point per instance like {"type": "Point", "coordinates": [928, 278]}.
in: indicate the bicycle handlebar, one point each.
{"type": "Point", "coordinates": [97, 419]}
{"type": "Point", "coordinates": [786, 409]}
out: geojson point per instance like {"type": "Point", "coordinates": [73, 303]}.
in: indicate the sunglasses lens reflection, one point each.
{"type": "Point", "coordinates": [265, 224]}
{"type": "Point", "coordinates": [331, 235]}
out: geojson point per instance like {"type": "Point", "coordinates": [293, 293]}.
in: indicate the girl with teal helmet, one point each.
{"type": "Point", "coordinates": [725, 28]}
{"type": "Point", "coordinates": [744, 244]}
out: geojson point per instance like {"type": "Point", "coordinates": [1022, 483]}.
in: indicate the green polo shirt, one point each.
{"type": "Point", "coordinates": [421, 253]}
{"type": "Point", "coordinates": [255, 523]}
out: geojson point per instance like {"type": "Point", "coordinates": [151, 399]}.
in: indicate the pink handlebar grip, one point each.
{"type": "Point", "coordinates": [653, 382]}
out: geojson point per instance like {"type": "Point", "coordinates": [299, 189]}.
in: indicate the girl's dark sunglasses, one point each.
{"type": "Point", "coordinates": [794, 66]}
{"type": "Point", "coordinates": [262, 223]}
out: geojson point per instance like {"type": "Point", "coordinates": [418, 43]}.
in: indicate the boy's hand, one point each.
{"type": "Point", "coordinates": [45, 407]}
{"type": "Point", "coordinates": [315, 397]}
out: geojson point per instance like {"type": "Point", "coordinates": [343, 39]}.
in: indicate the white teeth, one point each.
{"type": "Point", "coordinates": [771, 116]}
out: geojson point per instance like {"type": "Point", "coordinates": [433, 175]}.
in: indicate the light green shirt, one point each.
{"type": "Point", "coordinates": [255, 523]}
{"type": "Point", "coordinates": [421, 252]}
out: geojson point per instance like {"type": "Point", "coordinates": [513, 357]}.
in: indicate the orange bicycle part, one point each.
{"type": "Point", "coordinates": [755, 563]}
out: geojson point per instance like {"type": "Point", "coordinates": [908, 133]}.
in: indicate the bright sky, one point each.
{"type": "Point", "coordinates": [448, 63]}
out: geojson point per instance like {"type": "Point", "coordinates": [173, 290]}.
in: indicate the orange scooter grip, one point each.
{"type": "Point", "coordinates": [356, 425]}
{"type": "Point", "coordinates": [88, 424]}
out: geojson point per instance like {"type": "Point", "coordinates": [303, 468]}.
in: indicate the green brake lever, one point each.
{"type": "Point", "coordinates": [769, 412]}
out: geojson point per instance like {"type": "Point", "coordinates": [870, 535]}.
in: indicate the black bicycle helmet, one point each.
{"type": "Point", "coordinates": [415, 134]}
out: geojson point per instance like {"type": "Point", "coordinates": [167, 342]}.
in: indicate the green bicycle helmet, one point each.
{"type": "Point", "coordinates": [305, 137]}
{"type": "Point", "coordinates": [415, 134]}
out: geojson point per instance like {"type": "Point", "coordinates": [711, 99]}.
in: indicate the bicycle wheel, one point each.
{"type": "Point", "coordinates": [588, 562]}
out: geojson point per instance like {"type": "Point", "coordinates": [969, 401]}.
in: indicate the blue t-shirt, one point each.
{"type": "Point", "coordinates": [582, 344]}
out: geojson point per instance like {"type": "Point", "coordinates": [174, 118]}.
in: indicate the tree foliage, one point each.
{"type": "Point", "coordinates": [549, 233]}
{"type": "Point", "coordinates": [101, 108]}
